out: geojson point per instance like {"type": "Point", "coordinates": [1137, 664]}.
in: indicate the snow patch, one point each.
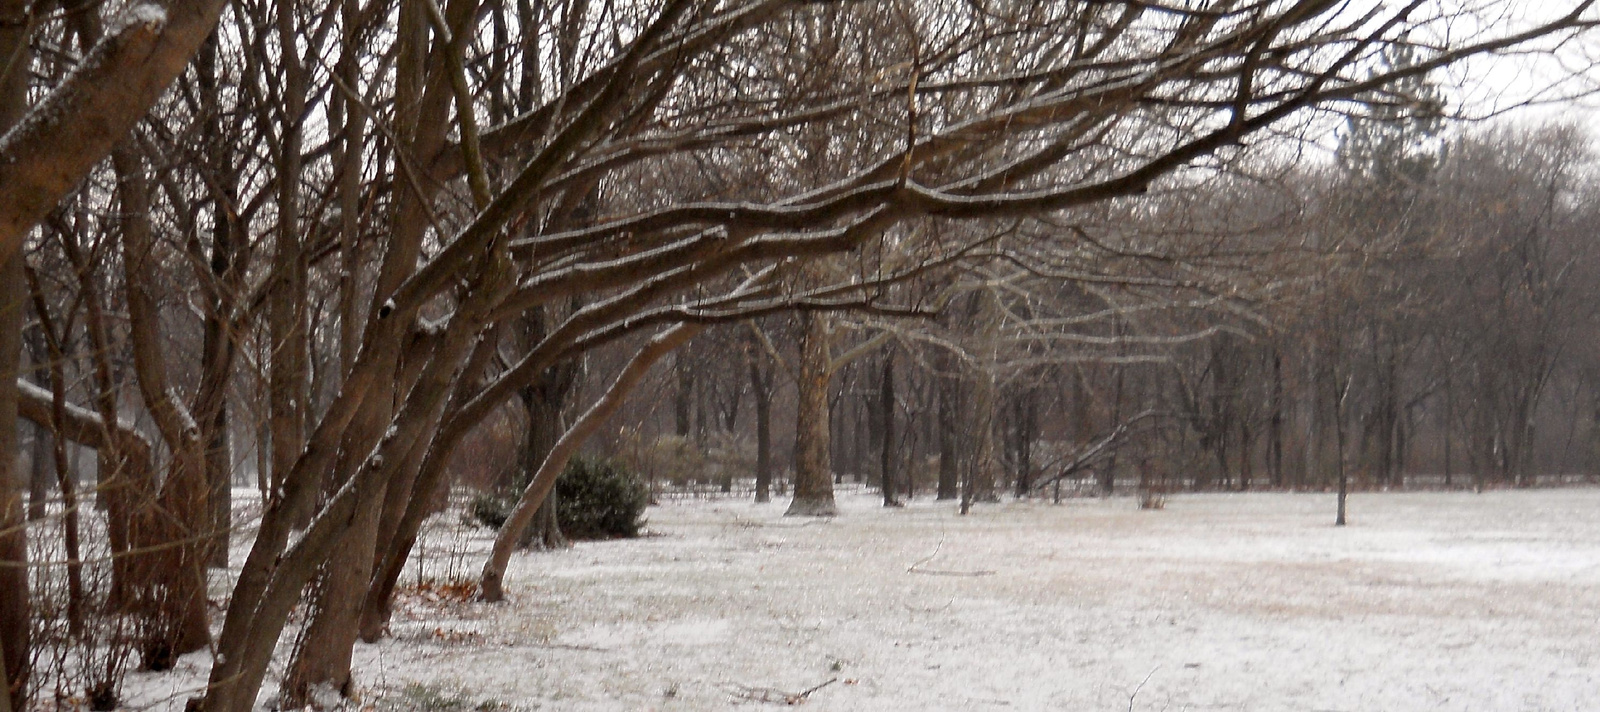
{"type": "Point", "coordinates": [148, 15]}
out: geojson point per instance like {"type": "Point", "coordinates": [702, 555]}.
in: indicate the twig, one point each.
{"type": "Point", "coordinates": [916, 568]}
{"type": "Point", "coordinates": [969, 574]}
{"type": "Point", "coordinates": [1136, 690]}
{"type": "Point", "coordinates": [770, 695]}
{"type": "Point", "coordinates": [940, 609]}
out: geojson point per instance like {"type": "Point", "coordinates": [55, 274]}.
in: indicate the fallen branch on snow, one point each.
{"type": "Point", "coordinates": [916, 568]}
{"type": "Point", "coordinates": [773, 696]}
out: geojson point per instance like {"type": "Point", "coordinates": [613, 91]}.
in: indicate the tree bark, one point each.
{"type": "Point", "coordinates": [15, 646]}
{"type": "Point", "coordinates": [542, 405]}
{"type": "Point", "coordinates": [813, 484]}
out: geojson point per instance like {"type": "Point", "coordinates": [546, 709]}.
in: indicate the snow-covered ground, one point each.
{"type": "Point", "coordinates": [1428, 601]}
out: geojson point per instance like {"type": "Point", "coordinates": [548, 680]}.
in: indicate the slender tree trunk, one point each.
{"type": "Point", "coordinates": [984, 462]}
{"type": "Point", "coordinates": [683, 397]}
{"type": "Point", "coordinates": [217, 350]}
{"type": "Point", "coordinates": [1275, 425]}
{"type": "Point", "coordinates": [1108, 475]}
{"type": "Point", "coordinates": [886, 400]}
{"type": "Point", "coordinates": [65, 471]}
{"type": "Point", "coordinates": [949, 457]}
{"type": "Point", "coordinates": [1311, 471]}
{"type": "Point", "coordinates": [288, 385]}
{"type": "Point", "coordinates": [1026, 428]}
{"type": "Point", "coordinates": [1339, 442]}
{"type": "Point", "coordinates": [813, 484]}
{"type": "Point", "coordinates": [761, 388]}
{"type": "Point", "coordinates": [1449, 424]}
{"type": "Point", "coordinates": [40, 473]}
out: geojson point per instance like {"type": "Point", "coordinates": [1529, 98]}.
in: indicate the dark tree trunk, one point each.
{"type": "Point", "coordinates": [887, 452]}
{"type": "Point", "coordinates": [15, 650]}
{"type": "Point", "coordinates": [14, 611]}
{"type": "Point", "coordinates": [1275, 425]}
{"type": "Point", "coordinates": [1027, 427]}
{"type": "Point", "coordinates": [542, 404]}
{"type": "Point", "coordinates": [1339, 443]}
{"type": "Point", "coordinates": [41, 472]}
{"type": "Point", "coordinates": [1449, 425]}
{"type": "Point", "coordinates": [949, 457]}
{"type": "Point", "coordinates": [761, 389]}
{"type": "Point", "coordinates": [1108, 475]}
{"type": "Point", "coordinates": [683, 397]}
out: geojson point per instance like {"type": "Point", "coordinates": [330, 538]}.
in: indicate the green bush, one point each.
{"type": "Point", "coordinates": [595, 499]}
{"type": "Point", "coordinates": [599, 499]}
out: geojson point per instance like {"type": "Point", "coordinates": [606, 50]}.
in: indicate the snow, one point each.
{"type": "Point", "coordinates": [151, 16]}
{"type": "Point", "coordinates": [1437, 601]}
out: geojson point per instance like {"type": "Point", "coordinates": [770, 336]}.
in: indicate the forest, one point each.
{"type": "Point", "coordinates": [284, 281]}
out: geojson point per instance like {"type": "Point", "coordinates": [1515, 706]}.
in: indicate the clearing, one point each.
{"type": "Point", "coordinates": [1428, 601]}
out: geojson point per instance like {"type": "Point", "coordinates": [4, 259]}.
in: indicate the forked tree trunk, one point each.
{"type": "Point", "coordinates": [217, 354]}
{"type": "Point", "coordinates": [813, 484]}
{"type": "Point", "coordinates": [172, 527]}
{"type": "Point", "coordinates": [342, 613]}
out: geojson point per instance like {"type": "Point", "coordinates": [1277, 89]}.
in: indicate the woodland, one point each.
{"type": "Point", "coordinates": [350, 257]}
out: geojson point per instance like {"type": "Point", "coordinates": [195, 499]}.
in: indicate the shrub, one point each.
{"type": "Point", "coordinates": [595, 499]}
{"type": "Point", "coordinates": [599, 499]}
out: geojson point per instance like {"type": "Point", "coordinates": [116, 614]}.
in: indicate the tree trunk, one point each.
{"type": "Point", "coordinates": [41, 472]}
{"type": "Point", "coordinates": [886, 402]}
{"type": "Point", "coordinates": [14, 611]}
{"type": "Point", "coordinates": [981, 487]}
{"type": "Point", "coordinates": [171, 529]}
{"type": "Point", "coordinates": [1339, 442]}
{"type": "Point", "coordinates": [813, 484]}
{"type": "Point", "coordinates": [761, 388]}
{"type": "Point", "coordinates": [1311, 471]}
{"type": "Point", "coordinates": [1026, 427]}
{"type": "Point", "coordinates": [1275, 425]}
{"type": "Point", "coordinates": [949, 464]}
{"type": "Point", "coordinates": [15, 650]}
{"type": "Point", "coordinates": [1449, 424]}
{"type": "Point", "coordinates": [683, 397]}
{"type": "Point", "coordinates": [328, 645]}
{"type": "Point", "coordinates": [542, 407]}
